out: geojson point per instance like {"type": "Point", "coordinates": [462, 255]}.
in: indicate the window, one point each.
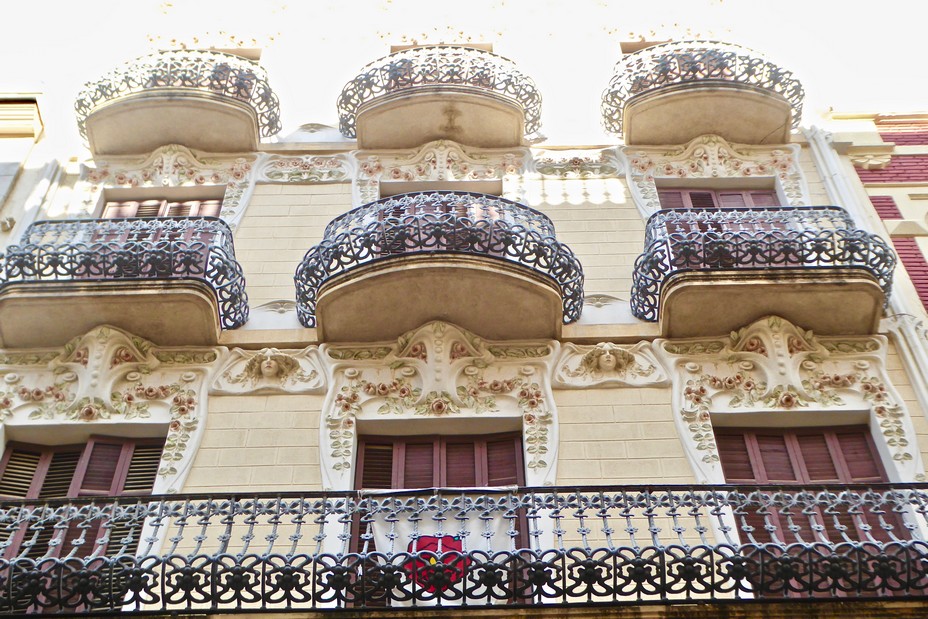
{"type": "Point", "coordinates": [161, 207]}
{"type": "Point", "coordinates": [701, 198]}
{"type": "Point", "coordinates": [430, 461]}
{"type": "Point", "coordinates": [104, 466]}
{"type": "Point", "coordinates": [809, 457]}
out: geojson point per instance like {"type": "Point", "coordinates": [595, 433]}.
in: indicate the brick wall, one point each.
{"type": "Point", "coordinates": [904, 134]}
{"type": "Point", "coordinates": [885, 207]}
{"type": "Point", "coordinates": [902, 169]}
{"type": "Point", "coordinates": [911, 256]}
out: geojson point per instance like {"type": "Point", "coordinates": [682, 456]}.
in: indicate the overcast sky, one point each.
{"type": "Point", "coordinates": [852, 56]}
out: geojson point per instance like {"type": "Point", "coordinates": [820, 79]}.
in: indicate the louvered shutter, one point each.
{"type": "Point", "coordinates": [419, 465]}
{"type": "Point", "coordinates": [701, 199]}
{"type": "Point", "coordinates": [671, 199]}
{"type": "Point", "coordinates": [763, 198]}
{"type": "Point", "coordinates": [120, 210]}
{"type": "Point", "coordinates": [461, 464]}
{"type": "Point", "coordinates": [732, 199]}
{"type": "Point", "coordinates": [504, 462]}
{"type": "Point", "coordinates": [376, 466]}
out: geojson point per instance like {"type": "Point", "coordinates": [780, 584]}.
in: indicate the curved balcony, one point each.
{"type": "Point", "coordinates": [444, 92]}
{"type": "Point", "coordinates": [170, 280]}
{"type": "Point", "coordinates": [674, 92]}
{"type": "Point", "coordinates": [706, 272]}
{"type": "Point", "coordinates": [485, 263]}
{"type": "Point", "coordinates": [205, 100]}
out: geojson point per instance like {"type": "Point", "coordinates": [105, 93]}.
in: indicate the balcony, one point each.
{"type": "Point", "coordinates": [204, 100]}
{"type": "Point", "coordinates": [709, 271]}
{"type": "Point", "coordinates": [173, 281]}
{"type": "Point", "coordinates": [558, 549]}
{"type": "Point", "coordinates": [674, 92]}
{"type": "Point", "coordinates": [487, 264]}
{"type": "Point", "coordinates": [455, 93]}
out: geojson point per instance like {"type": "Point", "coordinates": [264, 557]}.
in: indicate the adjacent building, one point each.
{"type": "Point", "coordinates": [425, 359]}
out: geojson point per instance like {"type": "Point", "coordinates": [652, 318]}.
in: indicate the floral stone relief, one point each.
{"type": "Point", "coordinates": [711, 157]}
{"type": "Point", "coordinates": [439, 371]}
{"type": "Point", "coordinates": [442, 160]}
{"type": "Point", "coordinates": [270, 370]}
{"type": "Point", "coordinates": [608, 365]}
{"type": "Point", "coordinates": [109, 377]}
{"type": "Point", "coordinates": [780, 371]}
{"type": "Point", "coordinates": [169, 167]}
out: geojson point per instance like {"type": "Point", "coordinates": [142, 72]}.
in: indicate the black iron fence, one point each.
{"type": "Point", "coordinates": [669, 64]}
{"type": "Point", "coordinates": [213, 73]}
{"type": "Point", "coordinates": [446, 65]}
{"type": "Point", "coordinates": [161, 248]}
{"type": "Point", "coordinates": [760, 238]}
{"type": "Point", "coordinates": [444, 221]}
{"type": "Point", "coordinates": [482, 547]}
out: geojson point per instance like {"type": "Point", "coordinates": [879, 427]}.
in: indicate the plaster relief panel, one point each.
{"type": "Point", "coordinates": [270, 371]}
{"type": "Point", "coordinates": [608, 365]}
{"type": "Point", "coordinates": [441, 372]}
{"type": "Point", "coordinates": [170, 166]}
{"type": "Point", "coordinates": [305, 169]}
{"type": "Point", "coordinates": [710, 157]}
{"type": "Point", "coordinates": [109, 378]}
{"type": "Point", "coordinates": [442, 160]}
{"type": "Point", "coordinates": [772, 373]}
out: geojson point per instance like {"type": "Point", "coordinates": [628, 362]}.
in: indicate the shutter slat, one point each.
{"type": "Point", "coordinates": [460, 464]}
{"type": "Point", "coordinates": [503, 463]}
{"type": "Point", "coordinates": [20, 470]}
{"type": "Point", "coordinates": [60, 473]}
{"type": "Point", "coordinates": [736, 461]}
{"type": "Point", "coordinates": [143, 469]}
{"type": "Point", "coordinates": [776, 460]}
{"type": "Point", "coordinates": [817, 459]}
{"type": "Point", "coordinates": [102, 465]}
{"type": "Point", "coordinates": [764, 198]}
{"type": "Point", "coordinates": [671, 199]}
{"type": "Point", "coordinates": [418, 465]}
{"type": "Point", "coordinates": [702, 199]}
{"type": "Point", "coordinates": [732, 200]}
{"type": "Point", "coordinates": [378, 467]}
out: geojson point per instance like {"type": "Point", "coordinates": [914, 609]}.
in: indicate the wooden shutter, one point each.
{"type": "Point", "coordinates": [504, 462]}
{"type": "Point", "coordinates": [161, 208]}
{"type": "Point", "coordinates": [692, 198]}
{"type": "Point", "coordinates": [463, 464]}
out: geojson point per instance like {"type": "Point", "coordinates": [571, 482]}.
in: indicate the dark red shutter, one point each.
{"type": "Point", "coordinates": [461, 462]}
{"type": "Point", "coordinates": [419, 465]}
{"type": "Point", "coordinates": [504, 462]}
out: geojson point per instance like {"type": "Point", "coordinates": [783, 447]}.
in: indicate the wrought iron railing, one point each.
{"type": "Point", "coordinates": [670, 64]}
{"type": "Point", "coordinates": [214, 73]}
{"type": "Point", "coordinates": [446, 222]}
{"type": "Point", "coordinates": [447, 66]}
{"type": "Point", "coordinates": [761, 238]}
{"type": "Point", "coordinates": [162, 248]}
{"type": "Point", "coordinates": [542, 546]}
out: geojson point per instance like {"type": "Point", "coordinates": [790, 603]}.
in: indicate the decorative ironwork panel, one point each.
{"type": "Point", "coordinates": [198, 248]}
{"type": "Point", "coordinates": [213, 73]}
{"type": "Point", "coordinates": [550, 546]}
{"type": "Point", "coordinates": [450, 66]}
{"type": "Point", "coordinates": [446, 222]}
{"type": "Point", "coordinates": [760, 238]}
{"type": "Point", "coordinates": [670, 64]}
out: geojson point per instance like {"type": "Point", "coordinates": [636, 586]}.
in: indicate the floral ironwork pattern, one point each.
{"type": "Point", "coordinates": [670, 64]}
{"type": "Point", "coordinates": [782, 238]}
{"type": "Point", "coordinates": [448, 222]}
{"type": "Point", "coordinates": [198, 248]}
{"type": "Point", "coordinates": [213, 73]}
{"type": "Point", "coordinates": [651, 544]}
{"type": "Point", "coordinates": [446, 66]}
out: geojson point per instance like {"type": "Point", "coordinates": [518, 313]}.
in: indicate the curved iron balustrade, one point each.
{"type": "Point", "coordinates": [760, 238]}
{"type": "Point", "coordinates": [670, 64]}
{"type": "Point", "coordinates": [531, 546]}
{"type": "Point", "coordinates": [446, 222]}
{"type": "Point", "coordinates": [86, 250]}
{"type": "Point", "coordinates": [450, 66]}
{"type": "Point", "coordinates": [213, 73]}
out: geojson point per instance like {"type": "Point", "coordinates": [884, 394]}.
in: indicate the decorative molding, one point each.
{"type": "Point", "coordinates": [281, 306]}
{"type": "Point", "coordinates": [172, 165]}
{"type": "Point", "coordinates": [439, 371]}
{"type": "Point", "coordinates": [577, 164]}
{"type": "Point", "coordinates": [608, 365]}
{"type": "Point", "coordinates": [441, 160]}
{"type": "Point", "coordinates": [305, 169]}
{"type": "Point", "coordinates": [775, 369]}
{"type": "Point", "coordinates": [601, 300]}
{"type": "Point", "coordinates": [109, 376]}
{"type": "Point", "coordinates": [711, 157]}
{"type": "Point", "coordinates": [870, 161]}
{"type": "Point", "coordinates": [270, 370]}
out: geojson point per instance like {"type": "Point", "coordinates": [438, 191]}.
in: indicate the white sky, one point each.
{"type": "Point", "coordinates": [850, 55]}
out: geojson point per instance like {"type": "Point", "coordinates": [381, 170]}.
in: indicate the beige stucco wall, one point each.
{"type": "Point", "coordinates": [282, 222]}
{"type": "Point", "coordinates": [259, 443]}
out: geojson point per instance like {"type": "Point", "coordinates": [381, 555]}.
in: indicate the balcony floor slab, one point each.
{"type": "Point", "coordinates": [836, 302]}
{"type": "Point", "coordinates": [168, 313]}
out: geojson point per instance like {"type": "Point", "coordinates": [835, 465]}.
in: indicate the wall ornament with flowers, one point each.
{"type": "Point", "coordinates": [168, 167]}
{"type": "Point", "coordinates": [710, 158]}
{"type": "Point", "coordinates": [439, 161]}
{"type": "Point", "coordinates": [270, 371]}
{"type": "Point", "coordinates": [104, 381]}
{"type": "Point", "coordinates": [608, 365]}
{"type": "Point", "coordinates": [774, 374]}
{"type": "Point", "coordinates": [440, 372]}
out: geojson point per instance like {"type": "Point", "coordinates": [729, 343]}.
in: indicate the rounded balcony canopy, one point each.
{"type": "Point", "coordinates": [202, 99]}
{"type": "Point", "coordinates": [451, 92]}
{"type": "Point", "coordinates": [699, 87]}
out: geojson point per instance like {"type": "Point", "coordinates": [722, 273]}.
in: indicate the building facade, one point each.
{"type": "Point", "coordinates": [426, 360]}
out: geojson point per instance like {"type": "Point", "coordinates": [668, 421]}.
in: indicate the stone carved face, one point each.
{"type": "Point", "coordinates": [606, 358]}
{"type": "Point", "coordinates": [270, 368]}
